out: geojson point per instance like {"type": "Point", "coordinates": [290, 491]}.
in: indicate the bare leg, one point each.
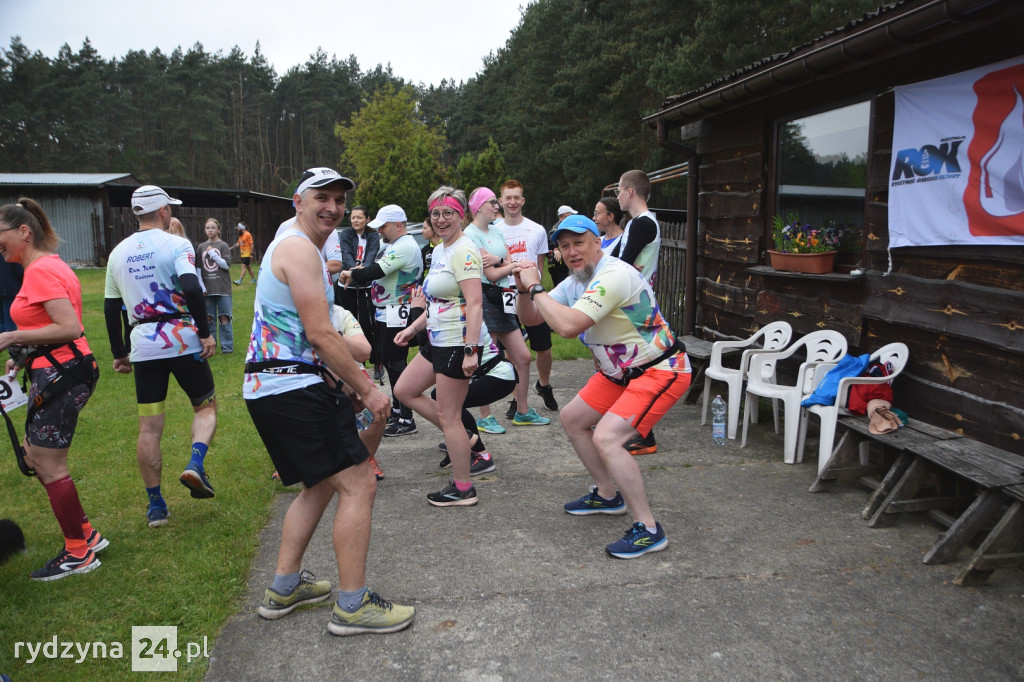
{"type": "Point", "coordinates": [417, 378]}
{"type": "Point", "coordinates": [577, 419]}
{"type": "Point", "coordinates": [520, 357]}
{"type": "Point", "coordinates": [147, 452]}
{"type": "Point", "coordinates": [204, 422]}
{"type": "Point", "coordinates": [609, 435]}
{"type": "Point", "coordinates": [451, 393]}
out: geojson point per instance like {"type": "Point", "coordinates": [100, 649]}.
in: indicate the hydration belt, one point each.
{"type": "Point", "coordinates": [165, 317]}
{"type": "Point", "coordinates": [631, 373]}
{"type": "Point", "coordinates": [285, 367]}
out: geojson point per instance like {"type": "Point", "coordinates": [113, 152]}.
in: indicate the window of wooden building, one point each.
{"type": "Point", "coordinates": [822, 173]}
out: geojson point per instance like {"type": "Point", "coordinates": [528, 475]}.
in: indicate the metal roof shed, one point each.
{"type": "Point", "coordinates": [76, 204]}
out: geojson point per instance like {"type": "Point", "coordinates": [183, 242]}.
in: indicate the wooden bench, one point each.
{"type": "Point", "coordinates": [699, 352]}
{"type": "Point", "coordinates": [989, 487]}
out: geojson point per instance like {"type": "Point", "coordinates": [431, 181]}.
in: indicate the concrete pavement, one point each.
{"type": "Point", "coordinates": [761, 579]}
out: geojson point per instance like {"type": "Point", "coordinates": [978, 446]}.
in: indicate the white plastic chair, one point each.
{"type": "Point", "coordinates": [824, 346]}
{"type": "Point", "coordinates": [895, 353]}
{"type": "Point", "coordinates": [773, 336]}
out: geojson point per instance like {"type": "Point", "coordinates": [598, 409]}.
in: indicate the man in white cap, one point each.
{"type": "Point", "coordinates": [394, 275]}
{"type": "Point", "coordinates": [152, 273]}
{"type": "Point", "coordinates": [307, 423]}
{"type": "Point", "coordinates": [556, 268]}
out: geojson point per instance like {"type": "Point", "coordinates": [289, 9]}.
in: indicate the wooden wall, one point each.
{"type": "Point", "coordinates": [960, 310]}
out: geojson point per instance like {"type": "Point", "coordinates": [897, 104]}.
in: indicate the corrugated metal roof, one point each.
{"type": "Point", "coordinates": [64, 179]}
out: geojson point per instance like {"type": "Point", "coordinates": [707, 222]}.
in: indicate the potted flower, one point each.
{"type": "Point", "coordinates": [803, 248]}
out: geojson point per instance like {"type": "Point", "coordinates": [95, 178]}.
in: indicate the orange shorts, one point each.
{"type": "Point", "coordinates": [643, 402]}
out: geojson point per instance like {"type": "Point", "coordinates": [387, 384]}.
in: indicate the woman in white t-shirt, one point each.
{"type": "Point", "coordinates": [454, 323]}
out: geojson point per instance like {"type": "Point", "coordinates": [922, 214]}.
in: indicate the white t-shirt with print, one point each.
{"type": "Point", "coordinates": [144, 271]}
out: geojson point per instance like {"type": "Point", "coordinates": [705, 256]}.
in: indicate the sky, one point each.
{"type": "Point", "coordinates": [424, 42]}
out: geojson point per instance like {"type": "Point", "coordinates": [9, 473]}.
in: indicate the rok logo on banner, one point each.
{"type": "Point", "coordinates": [958, 159]}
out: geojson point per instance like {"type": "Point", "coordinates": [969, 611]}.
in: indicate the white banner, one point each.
{"type": "Point", "coordinates": [957, 173]}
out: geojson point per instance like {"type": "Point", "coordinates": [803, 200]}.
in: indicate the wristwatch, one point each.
{"type": "Point", "coordinates": [469, 350]}
{"type": "Point", "coordinates": [536, 289]}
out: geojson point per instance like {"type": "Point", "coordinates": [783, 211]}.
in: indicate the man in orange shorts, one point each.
{"type": "Point", "coordinates": [642, 372]}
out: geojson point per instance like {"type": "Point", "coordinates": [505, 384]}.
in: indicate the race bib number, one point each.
{"type": "Point", "coordinates": [11, 395]}
{"type": "Point", "coordinates": [398, 315]}
{"type": "Point", "coordinates": [508, 299]}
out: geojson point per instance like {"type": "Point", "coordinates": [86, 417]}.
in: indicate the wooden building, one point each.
{"type": "Point", "coordinates": [92, 211]}
{"type": "Point", "coordinates": [960, 309]}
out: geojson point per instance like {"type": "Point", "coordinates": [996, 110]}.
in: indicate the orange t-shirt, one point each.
{"type": "Point", "coordinates": [245, 244]}
{"type": "Point", "coordinates": [48, 279]}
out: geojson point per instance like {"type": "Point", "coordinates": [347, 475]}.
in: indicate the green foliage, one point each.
{"type": "Point", "coordinates": [562, 101]}
{"type": "Point", "coordinates": [486, 169]}
{"type": "Point", "coordinates": [392, 154]}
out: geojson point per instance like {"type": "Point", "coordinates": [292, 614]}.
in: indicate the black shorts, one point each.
{"type": "Point", "coordinates": [389, 350]}
{"type": "Point", "coordinates": [246, 259]}
{"type": "Point", "coordinates": [446, 360]}
{"type": "Point", "coordinates": [310, 433]}
{"type": "Point", "coordinates": [153, 376]}
{"type": "Point", "coordinates": [540, 337]}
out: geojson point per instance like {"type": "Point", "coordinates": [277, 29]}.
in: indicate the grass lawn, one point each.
{"type": "Point", "coordinates": [190, 573]}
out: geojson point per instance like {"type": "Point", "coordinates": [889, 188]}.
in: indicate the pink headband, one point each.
{"type": "Point", "coordinates": [451, 202]}
{"type": "Point", "coordinates": [479, 197]}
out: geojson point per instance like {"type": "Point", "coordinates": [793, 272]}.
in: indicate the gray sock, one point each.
{"type": "Point", "coordinates": [285, 584]}
{"type": "Point", "coordinates": [351, 601]}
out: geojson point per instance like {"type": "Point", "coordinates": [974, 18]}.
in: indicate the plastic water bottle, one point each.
{"type": "Point", "coordinates": [363, 419]}
{"type": "Point", "coordinates": [718, 410]}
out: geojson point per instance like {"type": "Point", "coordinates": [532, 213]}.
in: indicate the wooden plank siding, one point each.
{"type": "Point", "coordinates": [960, 309]}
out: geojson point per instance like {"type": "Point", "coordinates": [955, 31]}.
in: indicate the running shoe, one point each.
{"type": "Point", "coordinates": [65, 564]}
{"type": "Point", "coordinates": [377, 472]}
{"type": "Point", "coordinates": [531, 418]}
{"type": "Point", "coordinates": [446, 463]}
{"type": "Point", "coordinates": [194, 478]}
{"type": "Point", "coordinates": [237, 281]}
{"type": "Point", "coordinates": [157, 516]}
{"type": "Point", "coordinates": [452, 497]}
{"type": "Point", "coordinates": [309, 591]}
{"type": "Point", "coordinates": [638, 541]}
{"type": "Point", "coordinates": [639, 445]}
{"type": "Point", "coordinates": [548, 394]}
{"type": "Point", "coordinates": [592, 503]}
{"type": "Point", "coordinates": [480, 463]}
{"type": "Point", "coordinates": [96, 541]}
{"type": "Point", "coordinates": [512, 409]}
{"type": "Point", "coordinates": [400, 428]}
{"type": "Point", "coordinates": [489, 425]}
{"type": "Point", "coordinates": [376, 615]}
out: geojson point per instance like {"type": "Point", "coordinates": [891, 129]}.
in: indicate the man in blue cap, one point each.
{"type": "Point", "coordinates": [643, 372]}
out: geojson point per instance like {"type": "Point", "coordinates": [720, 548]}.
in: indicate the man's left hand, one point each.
{"type": "Point", "coordinates": [209, 347]}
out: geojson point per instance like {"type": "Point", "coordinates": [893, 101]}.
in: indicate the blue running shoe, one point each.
{"type": "Point", "coordinates": [638, 541]}
{"type": "Point", "coordinates": [157, 516]}
{"type": "Point", "coordinates": [194, 478]}
{"type": "Point", "coordinates": [592, 503]}
{"type": "Point", "coordinates": [489, 425]}
{"type": "Point", "coordinates": [530, 418]}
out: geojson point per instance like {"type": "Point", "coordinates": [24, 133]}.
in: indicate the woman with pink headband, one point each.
{"type": "Point", "coordinates": [456, 337]}
{"type": "Point", "coordinates": [499, 302]}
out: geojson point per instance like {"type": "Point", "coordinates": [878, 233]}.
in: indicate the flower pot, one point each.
{"type": "Point", "coordinates": [809, 263]}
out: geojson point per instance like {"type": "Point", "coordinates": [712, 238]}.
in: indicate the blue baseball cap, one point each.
{"type": "Point", "coordinates": [578, 224]}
